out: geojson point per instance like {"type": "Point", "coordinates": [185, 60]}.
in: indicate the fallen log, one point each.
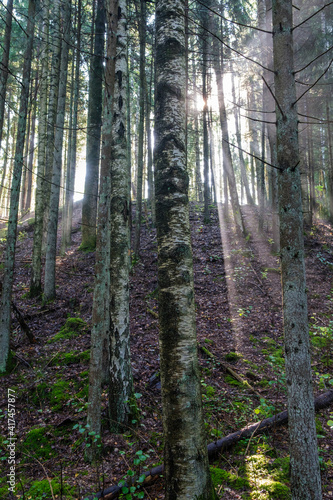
{"type": "Point", "coordinates": [223, 444]}
{"type": "Point", "coordinates": [23, 324]}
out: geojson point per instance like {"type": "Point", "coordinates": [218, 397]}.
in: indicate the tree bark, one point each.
{"type": "Point", "coordinates": [305, 472]}
{"type": "Point", "coordinates": [121, 383]}
{"type": "Point", "coordinates": [36, 265]}
{"type": "Point", "coordinates": [89, 206]}
{"type": "Point", "coordinates": [186, 461]}
{"type": "Point", "coordinates": [4, 63]}
{"type": "Point", "coordinates": [142, 30]}
{"type": "Point", "coordinates": [5, 315]}
{"type": "Point", "coordinates": [52, 226]}
{"type": "Point", "coordinates": [100, 330]}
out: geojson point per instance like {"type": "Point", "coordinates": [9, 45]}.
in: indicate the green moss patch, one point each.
{"type": "Point", "coordinates": [72, 328]}
{"type": "Point", "coordinates": [71, 358]}
{"type": "Point", "coordinates": [221, 477]}
{"type": "Point", "coordinates": [232, 356]}
{"type": "Point", "coordinates": [59, 394]}
{"type": "Point", "coordinates": [37, 443]}
{"type": "Point", "coordinates": [41, 490]}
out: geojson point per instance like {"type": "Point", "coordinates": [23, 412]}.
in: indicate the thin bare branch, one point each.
{"type": "Point", "coordinates": [250, 154]}
{"type": "Point", "coordinates": [312, 15]}
{"type": "Point", "coordinates": [231, 21]}
{"type": "Point", "coordinates": [272, 94]}
{"type": "Point", "coordinates": [258, 120]}
{"type": "Point", "coordinates": [307, 90]}
{"type": "Point", "coordinates": [313, 60]}
{"type": "Point", "coordinates": [228, 46]}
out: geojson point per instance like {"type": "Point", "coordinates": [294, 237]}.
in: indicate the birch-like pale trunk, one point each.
{"type": "Point", "coordinates": [36, 265]}
{"type": "Point", "coordinates": [6, 299]}
{"type": "Point", "coordinates": [138, 211]}
{"type": "Point", "coordinates": [304, 464]}
{"type": "Point", "coordinates": [89, 206]}
{"type": "Point", "coordinates": [186, 462]}
{"type": "Point", "coordinates": [100, 330]}
{"type": "Point", "coordinates": [121, 384]}
{"type": "Point", "coordinates": [52, 226]}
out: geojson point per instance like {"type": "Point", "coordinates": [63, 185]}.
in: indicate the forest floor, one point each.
{"type": "Point", "coordinates": [239, 325]}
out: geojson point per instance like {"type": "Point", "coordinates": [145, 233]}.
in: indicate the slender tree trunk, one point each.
{"type": "Point", "coordinates": [239, 144]}
{"type": "Point", "coordinates": [142, 29]}
{"type": "Point", "coordinates": [36, 266]}
{"type": "Point", "coordinates": [51, 245]}
{"type": "Point", "coordinates": [56, 46]}
{"type": "Point", "coordinates": [5, 312]}
{"type": "Point", "coordinates": [330, 166]}
{"type": "Point", "coordinates": [4, 63]}
{"type": "Point", "coordinates": [186, 462]}
{"type": "Point", "coordinates": [5, 161]}
{"type": "Point", "coordinates": [305, 472]}
{"type": "Point", "coordinates": [30, 159]}
{"type": "Point", "coordinates": [70, 180]}
{"type": "Point", "coordinates": [227, 159]}
{"type": "Point", "coordinates": [89, 207]}
{"type": "Point", "coordinates": [205, 48]}
{"type": "Point", "coordinates": [198, 181]}
{"type": "Point", "coordinates": [100, 330]}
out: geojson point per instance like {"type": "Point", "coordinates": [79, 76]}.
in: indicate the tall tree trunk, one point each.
{"type": "Point", "coordinates": [198, 181]}
{"type": "Point", "coordinates": [70, 180]}
{"type": "Point", "coordinates": [239, 144]}
{"type": "Point", "coordinates": [36, 266]}
{"type": "Point", "coordinates": [205, 48]}
{"type": "Point", "coordinates": [100, 330]}
{"type": "Point", "coordinates": [186, 462]}
{"type": "Point", "coordinates": [142, 30]}
{"type": "Point", "coordinates": [52, 226]}
{"type": "Point", "coordinates": [30, 158]}
{"type": "Point", "coordinates": [56, 46]}
{"type": "Point", "coordinates": [121, 384]}
{"type": "Point", "coordinates": [5, 161]}
{"type": "Point", "coordinates": [89, 206]}
{"type": "Point", "coordinates": [15, 194]}
{"type": "Point", "coordinates": [4, 63]}
{"type": "Point", "coordinates": [305, 472]}
{"type": "Point", "coordinates": [227, 159]}
{"type": "Point", "coordinates": [330, 165]}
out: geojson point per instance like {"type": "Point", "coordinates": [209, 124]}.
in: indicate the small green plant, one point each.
{"type": "Point", "coordinates": [244, 311]}
{"type": "Point", "coordinates": [132, 482]}
{"type": "Point", "coordinates": [265, 409]}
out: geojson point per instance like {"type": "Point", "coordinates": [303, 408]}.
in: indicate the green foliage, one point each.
{"type": "Point", "coordinates": [37, 442]}
{"type": "Point", "coordinates": [265, 409]}
{"type": "Point", "coordinates": [59, 394]}
{"type": "Point", "coordinates": [40, 490]}
{"type": "Point", "coordinates": [131, 485]}
{"type": "Point", "coordinates": [221, 477]}
{"type": "Point", "coordinates": [232, 356]}
{"type": "Point", "coordinates": [71, 358]}
{"type": "Point", "coordinates": [72, 328]}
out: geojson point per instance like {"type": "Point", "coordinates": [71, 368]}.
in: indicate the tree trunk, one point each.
{"type": "Point", "coordinates": [5, 311]}
{"type": "Point", "coordinates": [227, 159]}
{"type": "Point", "coordinates": [100, 330]}
{"type": "Point", "coordinates": [205, 45]}
{"type": "Point", "coordinates": [4, 63]}
{"type": "Point", "coordinates": [89, 206]}
{"type": "Point", "coordinates": [186, 462]}
{"type": "Point", "coordinates": [52, 226]}
{"type": "Point", "coordinates": [36, 266]}
{"type": "Point", "coordinates": [244, 178]}
{"type": "Point", "coordinates": [142, 29]}
{"type": "Point", "coordinates": [305, 472]}
{"type": "Point", "coordinates": [70, 180]}
{"type": "Point", "coordinates": [121, 384]}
